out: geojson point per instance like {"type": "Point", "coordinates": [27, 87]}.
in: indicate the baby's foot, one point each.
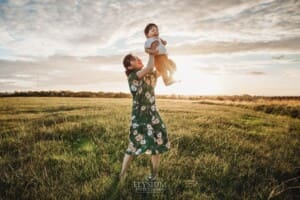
{"type": "Point", "coordinates": [171, 81]}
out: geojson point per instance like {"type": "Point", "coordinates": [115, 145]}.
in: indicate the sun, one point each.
{"type": "Point", "coordinates": [193, 80]}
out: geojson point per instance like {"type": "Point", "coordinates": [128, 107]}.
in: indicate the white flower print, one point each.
{"type": "Point", "coordinates": [152, 99]}
{"type": "Point", "coordinates": [135, 125]}
{"type": "Point", "coordinates": [148, 95]}
{"type": "Point", "coordinates": [143, 141]}
{"type": "Point", "coordinates": [150, 132]}
{"type": "Point", "coordinates": [138, 151]}
{"type": "Point", "coordinates": [144, 113]}
{"type": "Point", "coordinates": [143, 108]}
{"type": "Point", "coordinates": [139, 137]}
{"type": "Point", "coordinates": [149, 127]}
{"type": "Point", "coordinates": [155, 121]}
{"type": "Point", "coordinates": [133, 88]}
{"type": "Point", "coordinates": [135, 82]}
{"type": "Point", "coordinates": [153, 107]}
{"type": "Point", "coordinates": [148, 151]}
{"type": "Point", "coordinates": [159, 141]}
{"type": "Point", "coordinates": [159, 135]}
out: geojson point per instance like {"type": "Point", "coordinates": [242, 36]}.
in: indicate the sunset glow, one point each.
{"type": "Point", "coordinates": [220, 47]}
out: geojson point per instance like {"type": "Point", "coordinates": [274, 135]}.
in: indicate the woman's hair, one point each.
{"type": "Point", "coordinates": [148, 27]}
{"type": "Point", "coordinates": [126, 63]}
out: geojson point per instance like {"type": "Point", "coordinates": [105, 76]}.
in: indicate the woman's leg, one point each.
{"type": "Point", "coordinates": [155, 165]}
{"type": "Point", "coordinates": [126, 161]}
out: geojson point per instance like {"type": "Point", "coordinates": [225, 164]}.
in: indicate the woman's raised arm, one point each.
{"type": "Point", "coordinates": [148, 68]}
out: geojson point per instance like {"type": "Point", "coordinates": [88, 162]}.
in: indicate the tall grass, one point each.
{"type": "Point", "coordinates": [72, 148]}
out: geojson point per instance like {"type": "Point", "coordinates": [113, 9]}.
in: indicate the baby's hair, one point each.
{"type": "Point", "coordinates": [126, 63]}
{"type": "Point", "coordinates": [148, 27]}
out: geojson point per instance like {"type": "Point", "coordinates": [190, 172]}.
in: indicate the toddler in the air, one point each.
{"type": "Point", "coordinates": [165, 66]}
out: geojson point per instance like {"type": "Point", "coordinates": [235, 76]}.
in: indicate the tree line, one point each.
{"type": "Point", "coordinates": [68, 93]}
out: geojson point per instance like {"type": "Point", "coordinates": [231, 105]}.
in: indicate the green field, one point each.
{"type": "Point", "coordinates": [71, 148]}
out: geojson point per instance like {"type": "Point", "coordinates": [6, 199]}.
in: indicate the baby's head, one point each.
{"type": "Point", "coordinates": [151, 30]}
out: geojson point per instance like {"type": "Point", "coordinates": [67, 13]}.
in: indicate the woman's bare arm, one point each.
{"type": "Point", "coordinates": [148, 68]}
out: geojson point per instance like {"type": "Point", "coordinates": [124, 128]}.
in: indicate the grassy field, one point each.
{"type": "Point", "coordinates": [70, 148]}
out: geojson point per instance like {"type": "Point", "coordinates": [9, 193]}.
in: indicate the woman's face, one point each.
{"type": "Point", "coordinates": [136, 63]}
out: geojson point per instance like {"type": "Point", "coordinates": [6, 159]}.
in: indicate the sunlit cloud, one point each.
{"type": "Point", "coordinates": [220, 47]}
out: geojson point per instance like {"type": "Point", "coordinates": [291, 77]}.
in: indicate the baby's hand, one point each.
{"type": "Point", "coordinates": [164, 42]}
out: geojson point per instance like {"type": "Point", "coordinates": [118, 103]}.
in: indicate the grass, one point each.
{"type": "Point", "coordinates": [71, 148]}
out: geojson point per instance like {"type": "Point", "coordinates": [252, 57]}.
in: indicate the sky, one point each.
{"type": "Point", "coordinates": [228, 47]}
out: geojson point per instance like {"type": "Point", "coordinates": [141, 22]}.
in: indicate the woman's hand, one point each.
{"type": "Point", "coordinates": [153, 52]}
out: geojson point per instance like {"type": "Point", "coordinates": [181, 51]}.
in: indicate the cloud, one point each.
{"type": "Point", "coordinates": [257, 73]}
{"type": "Point", "coordinates": [61, 71]}
{"type": "Point", "coordinates": [285, 45]}
{"type": "Point", "coordinates": [81, 43]}
{"type": "Point", "coordinates": [85, 28]}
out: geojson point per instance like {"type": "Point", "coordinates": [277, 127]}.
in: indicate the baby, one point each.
{"type": "Point", "coordinates": [165, 66]}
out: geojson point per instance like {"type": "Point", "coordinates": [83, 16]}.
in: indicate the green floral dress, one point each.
{"type": "Point", "coordinates": [148, 133]}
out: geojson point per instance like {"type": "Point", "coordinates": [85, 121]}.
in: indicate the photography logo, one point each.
{"type": "Point", "coordinates": [149, 186]}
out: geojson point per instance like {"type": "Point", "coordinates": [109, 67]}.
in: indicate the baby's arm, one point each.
{"type": "Point", "coordinates": [163, 41]}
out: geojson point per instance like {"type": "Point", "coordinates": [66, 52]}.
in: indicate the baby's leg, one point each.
{"type": "Point", "coordinates": [167, 67]}
{"type": "Point", "coordinates": [172, 66]}
{"type": "Point", "coordinates": [160, 67]}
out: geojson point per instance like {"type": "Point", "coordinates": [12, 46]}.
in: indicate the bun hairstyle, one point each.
{"type": "Point", "coordinates": [148, 27]}
{"type": "Point", "coordinates": [126, 63]}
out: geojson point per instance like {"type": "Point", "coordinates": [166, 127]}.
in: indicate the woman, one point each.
{"type": "Point", "coordinates": [148, 133]}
